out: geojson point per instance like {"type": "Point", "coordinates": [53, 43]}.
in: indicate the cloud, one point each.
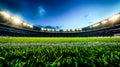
{"type": "Point", "coordinates": [41, 11]}
{"type": "Point", "coordinates": [86, 16]}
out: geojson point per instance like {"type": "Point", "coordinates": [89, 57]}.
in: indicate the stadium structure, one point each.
{"type": "Point", "coordinates": [12, 26]}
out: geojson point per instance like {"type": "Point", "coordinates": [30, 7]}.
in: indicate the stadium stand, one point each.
{"type": "Point", "coordinates": [13, 26]}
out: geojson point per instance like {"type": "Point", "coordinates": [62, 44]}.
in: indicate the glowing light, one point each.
{"type": "Point", "coordinates": [80, 28]}
{"type": "Point", "coordinates": [16, 20]}
{"type": "Point", "coordinates": [42, 29]}
{"type": "Point", "coordinates": [48, 29]}
{"type": "Point", "coordinates": [25, 24]}
{"type": "Point", "coordinates": [96, 25]}
{"type": "Point", "coordinates": [114, 18]}
{"type": "Point", "coordinates": [31, 26]}
{"type": "Point", "coordinates": [103, 22]}
{"type": "Point", "coordinates": [5, 14]}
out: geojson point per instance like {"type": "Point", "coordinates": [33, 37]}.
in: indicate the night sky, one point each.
{"type": "Point", "coordinates": [67, 14]}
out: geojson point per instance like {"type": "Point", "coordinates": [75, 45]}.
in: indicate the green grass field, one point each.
{"type": "Point", "coordinates": [59, 56]}
{"type": "Point", "coordinates": [57, 39]}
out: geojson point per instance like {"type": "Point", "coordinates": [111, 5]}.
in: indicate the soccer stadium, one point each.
{"type": "Point", "coordinates": [82, 47]}
{"type": "Point", "coordinates": [12, 26]}
{"type": "Point", "coordinates": [23, 44]}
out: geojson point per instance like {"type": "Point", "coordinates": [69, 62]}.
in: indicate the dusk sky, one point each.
{"type": "Point", "coordinates": [68, 14]}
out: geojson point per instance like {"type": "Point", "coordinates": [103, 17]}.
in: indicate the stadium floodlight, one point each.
{"type": "Point", "coordinates": [42, 29]}
{"type": "Point", "coordinates": [28, 25]}
{"type": "Point", "coordinates": [95, 25]}
{"type": "Point", "coordinates": [16, 20]}
{"type": "Point", "coordinates": [25, 24]}
{"type": "Point", "coordinates": [103, 22]}
{"type": "Point", "coordinates": [31, 26]}
{"type": "Point", "coordinates": [5, 14]}
{"type": "Point", "coordinates": [114, 18]}
{"type": "Point", "coordinates": [48, 29]}
{"type": "Point", "coordinates": [80, 28]}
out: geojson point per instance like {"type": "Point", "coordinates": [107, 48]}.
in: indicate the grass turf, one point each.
{"type": "Point", "coordinates": [57, 56]}
{"type": "Point", "coordinates": [48, 39]}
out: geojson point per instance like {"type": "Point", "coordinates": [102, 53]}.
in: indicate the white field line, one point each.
{"type": "Point", "coordinates": [61, 44]}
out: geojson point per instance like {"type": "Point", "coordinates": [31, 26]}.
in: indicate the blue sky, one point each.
{"type": "Point", "coordinates": [67, 14]}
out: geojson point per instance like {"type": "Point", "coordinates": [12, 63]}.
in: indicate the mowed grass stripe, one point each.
{"type": "Point", "coordinates": [57, 39]}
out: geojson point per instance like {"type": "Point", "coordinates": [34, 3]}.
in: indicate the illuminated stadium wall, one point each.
{"type": "Point", "coordinates": [13, 26]}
